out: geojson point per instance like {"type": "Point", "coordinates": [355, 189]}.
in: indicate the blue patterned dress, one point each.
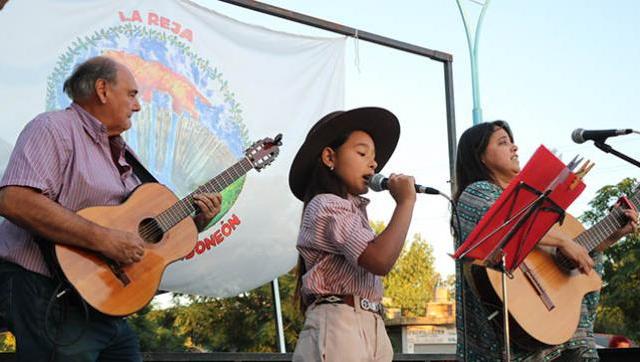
{"type": "Point", "coordinates": [477, 339]}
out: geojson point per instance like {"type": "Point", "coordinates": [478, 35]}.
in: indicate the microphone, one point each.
{"type": "Point", "coordinates": [378, 182]}
{"type": "Point", "coordinates": [580, 135]}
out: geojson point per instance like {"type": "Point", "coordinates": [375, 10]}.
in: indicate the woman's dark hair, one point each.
{"type": "Point", "coordinates": [471, 146]}
{"type": "Point", "coordinates": [321, 181]}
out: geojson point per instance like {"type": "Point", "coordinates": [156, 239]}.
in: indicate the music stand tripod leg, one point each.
{"type": "Point", "coordinates": [505, 311]}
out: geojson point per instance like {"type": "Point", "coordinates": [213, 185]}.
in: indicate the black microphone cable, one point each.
{"type": "Point", "coordinates": [57, 294]}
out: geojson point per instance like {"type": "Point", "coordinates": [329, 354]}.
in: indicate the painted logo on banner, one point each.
{"type": "Point", "coordinates": [189, 127]}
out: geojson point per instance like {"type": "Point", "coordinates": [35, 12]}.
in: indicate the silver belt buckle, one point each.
{"type": "Point", "coordinates": [332, 299]}
{"type": "Point", "coordinates": [365, 304]}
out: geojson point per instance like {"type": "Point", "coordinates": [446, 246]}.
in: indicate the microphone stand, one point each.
{"type": "Point", "coordinates": [608, 149]}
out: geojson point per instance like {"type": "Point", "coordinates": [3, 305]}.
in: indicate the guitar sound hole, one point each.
{"type": "Point", "coordinates": [150, 231]}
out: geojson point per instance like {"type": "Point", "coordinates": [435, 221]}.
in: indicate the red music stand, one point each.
{"type": "Point", "coordinates": [534, 200]}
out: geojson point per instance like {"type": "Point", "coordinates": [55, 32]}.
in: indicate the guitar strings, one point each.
{"type": "Point", "coordinates": [153, 231]}
{"type": "Point", "coordinates": [613, 220]}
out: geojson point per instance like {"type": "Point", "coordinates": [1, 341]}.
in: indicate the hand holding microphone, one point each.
{"type": "Point", "coordinates": [401, 187]}
{"type": "Point", "coordinates": [378, 182]}
{"type": "Point", "coordinates": [395, 183]}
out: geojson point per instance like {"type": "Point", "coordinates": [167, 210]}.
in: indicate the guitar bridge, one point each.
{"type": "Point", "coordinates": [118, 272]}
{"type": "Point", "coordinates": [533, 280]}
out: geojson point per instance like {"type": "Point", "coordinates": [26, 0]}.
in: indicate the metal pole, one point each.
{"type": "Point", "coordinates": [451, 123]}
{"type": "Point", "coordinates": [275, 290]}
{"type": "Point", "coordinates": [505, 311]}
{"type": "Point", "coordinates": [340, 29]}
{"type": "Point", "coordinates": [473, 56]}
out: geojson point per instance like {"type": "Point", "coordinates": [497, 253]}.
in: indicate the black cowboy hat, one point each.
{"type": "Point", "coordinates": [379, 123]}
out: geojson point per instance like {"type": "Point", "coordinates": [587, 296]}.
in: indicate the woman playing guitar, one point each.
{"type": "Point", "coordinates": [487, 161]}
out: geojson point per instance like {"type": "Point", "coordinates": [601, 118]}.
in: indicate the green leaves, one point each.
{"type": "Point", "coordinates": [619, 309]}
{"type": "Point", "coordinates": [240, 324]}
{"type": "Point", "coordinates": [7, 342]}
{"type": "Point", "coordinates": [412, 281]}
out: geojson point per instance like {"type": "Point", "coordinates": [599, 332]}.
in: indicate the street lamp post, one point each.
{"type": "Point", "coordinates": [473, 54]}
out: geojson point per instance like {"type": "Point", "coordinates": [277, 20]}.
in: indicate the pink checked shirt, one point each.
{"type": "Point", "coordinates": [333, 234]}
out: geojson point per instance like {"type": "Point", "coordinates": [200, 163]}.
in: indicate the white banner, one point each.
{"type": "Point", "coordinates": [209, 87]}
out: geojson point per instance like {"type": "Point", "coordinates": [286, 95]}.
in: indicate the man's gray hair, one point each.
{"type": "Point", "coordinates": [81, 84]}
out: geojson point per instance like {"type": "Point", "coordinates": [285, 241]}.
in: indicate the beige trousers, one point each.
{"type": "Point", "coordinates": [338, 332]}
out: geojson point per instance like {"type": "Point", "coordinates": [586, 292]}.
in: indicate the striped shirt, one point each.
{"type": "Point", "coordinates": [333, 234]}
{"type": "Point", "coordinates": [68, 156]}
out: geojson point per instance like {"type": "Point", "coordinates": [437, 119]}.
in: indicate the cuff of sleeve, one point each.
{"type": "Point", "coordinates": [40, 186]}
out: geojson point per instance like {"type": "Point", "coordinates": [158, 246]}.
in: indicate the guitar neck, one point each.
{"type": "Point", "coordinates": [186, 207]}
{"type": "Point", "coordinates": [595, 235]}
{"type": "Point", "coordinates": [599, 232]}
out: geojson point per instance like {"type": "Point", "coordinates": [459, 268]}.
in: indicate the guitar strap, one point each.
{"type": "Point", "coordinates": [138, 169]}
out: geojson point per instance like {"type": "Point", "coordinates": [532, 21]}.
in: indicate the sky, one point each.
{"type": "Point", "coordinates": [547, 67]}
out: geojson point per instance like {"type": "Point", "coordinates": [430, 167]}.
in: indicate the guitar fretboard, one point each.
{"type": "Point", "coordinates": [186, 207]}
{"type": "Point", "coordinates": [599, 232]}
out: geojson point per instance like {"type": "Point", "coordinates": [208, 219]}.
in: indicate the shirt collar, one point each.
{"type": "Point", "coordinates": [118, 143]}
{"type": "Point", "coordinates": [91, 124]}
{"type": "Point", "coordinates": [358, 201]}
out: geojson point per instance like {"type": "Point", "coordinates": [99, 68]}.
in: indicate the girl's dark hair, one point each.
{"type": "Point", "coordinates": [321, 181]}
{"type": "Point", "coordinates": [471, 146]}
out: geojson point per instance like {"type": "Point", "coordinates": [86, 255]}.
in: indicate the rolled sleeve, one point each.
{"type": "Point", "coordinates": [38, 159]}
{"type": "Point", "coordinates": [345, 228]}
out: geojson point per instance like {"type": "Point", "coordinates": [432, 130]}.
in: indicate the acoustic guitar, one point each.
{"type": "Point", "coordinates": [167, 228]}
{"type": "Point", "coordinates": [546, 291]}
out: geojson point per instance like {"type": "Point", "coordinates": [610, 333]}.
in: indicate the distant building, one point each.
{"type": "Point", "coordinates": [433, 333]}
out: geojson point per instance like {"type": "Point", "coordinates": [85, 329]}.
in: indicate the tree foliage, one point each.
{"type": "Point", "coordinates": [7, 342]}
{"type": "Point", "coordinates": [377, 226]}
{"type": "Point", "coordinates": [450, 283]}
{"type": "Point", "coordinates": [244, 323]}
{"type": "Point", "coordinates": [619, 309]}
{"type": "Point", "coordinates": [412, 281]}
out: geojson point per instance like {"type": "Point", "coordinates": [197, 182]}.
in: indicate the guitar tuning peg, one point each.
{"type": "Point", "coordinates": [278, 140]}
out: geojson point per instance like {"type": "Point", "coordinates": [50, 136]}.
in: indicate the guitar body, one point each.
{"type": "Point", "coordinates": [543, 316]}
{"type": "Point", "coordinates": [163, 222]}
{"type": "Point", "coordinates": [91, 274]}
